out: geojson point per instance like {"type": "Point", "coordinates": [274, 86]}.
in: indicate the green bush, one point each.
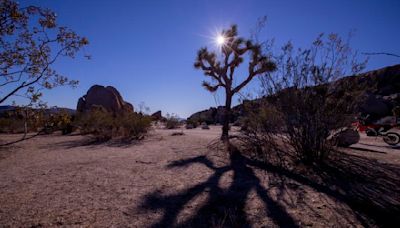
{"type": "Point", "coordinates": [133, 125]}
{"type": "Point", "coordinates": [59, 121]}
{"type": "Point", "coordinates": [105, 126]}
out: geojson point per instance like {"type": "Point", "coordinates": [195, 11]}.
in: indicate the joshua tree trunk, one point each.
{"type": "Point", "coordinates": [220, 67]}
{"type": "Point", "coordinates": [227, 117]}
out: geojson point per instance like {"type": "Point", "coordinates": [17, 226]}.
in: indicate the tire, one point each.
{"type": "Point", "coordinates": [392, 138]}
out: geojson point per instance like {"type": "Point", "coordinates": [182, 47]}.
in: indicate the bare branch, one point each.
{"type": "Point", "coordinates": [380, 53]}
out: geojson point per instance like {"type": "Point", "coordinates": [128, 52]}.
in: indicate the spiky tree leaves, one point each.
{"type": "Point", "coordinates": [220, 67]}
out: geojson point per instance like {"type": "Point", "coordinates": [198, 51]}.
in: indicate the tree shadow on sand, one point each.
{"type": "Point", "coordinates": [223, 207]}
{"type": "Point", "coordinates": [370, 189]}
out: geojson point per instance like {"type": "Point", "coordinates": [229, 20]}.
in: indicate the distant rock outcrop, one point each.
{"type": "Point", "coordinates": [157, 116]}
{"type": "Point", "coordinates": [375, 93]}
{"type": "Point", "coordinates": [107, 97]}
{"type": "Point", "coordinates": [213, 115]}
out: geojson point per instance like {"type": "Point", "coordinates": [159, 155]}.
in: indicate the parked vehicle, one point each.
{"type": "Point", "coordinates": [386, 131]}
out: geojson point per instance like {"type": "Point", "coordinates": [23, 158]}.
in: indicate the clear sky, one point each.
{"type": "Point", "coordinates": [146, 48]}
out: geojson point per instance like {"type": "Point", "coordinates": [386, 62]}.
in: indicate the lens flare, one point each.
{"type": "Point", "coordinates": [220, 40]}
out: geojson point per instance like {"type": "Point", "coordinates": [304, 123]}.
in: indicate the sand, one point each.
{"type": "Point", "coordinates": [161, 181]}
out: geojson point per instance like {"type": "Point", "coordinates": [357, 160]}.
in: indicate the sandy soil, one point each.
{"type": "Point", "coordinates": [161, 181]}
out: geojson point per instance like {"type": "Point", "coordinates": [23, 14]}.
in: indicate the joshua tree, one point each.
{"type": "Point", "coordinates": [30, 43]}
{"type": "Point", "coordinates": [220, 67]}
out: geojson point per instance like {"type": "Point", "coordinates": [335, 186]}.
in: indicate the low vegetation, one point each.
{"type": "Point", "coordinates": [190, 123]}
{"type": "Point", "coordinates": [25, 120]}
{"type": "Point", "coordinates": [103, 125]}
{"type": "Point", "coordinates": [172, 121]}
{"type": "Point", "coordinates": [299, 110]}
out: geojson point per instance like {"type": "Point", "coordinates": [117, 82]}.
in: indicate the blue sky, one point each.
{"type": "Point", "coordinates": [146, 48]}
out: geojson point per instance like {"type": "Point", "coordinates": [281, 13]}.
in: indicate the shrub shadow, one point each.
{"type": "Point", "coordinates": [370, 189]}
{"type": "Point", "coordinates": [92, 143]}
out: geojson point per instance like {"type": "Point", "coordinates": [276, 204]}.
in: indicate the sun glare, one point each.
{"type": "Point", "coordinates": [220, 40]}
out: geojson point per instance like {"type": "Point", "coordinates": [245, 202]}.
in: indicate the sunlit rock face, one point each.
{"type": "Point", "coordinates": [106, 97]}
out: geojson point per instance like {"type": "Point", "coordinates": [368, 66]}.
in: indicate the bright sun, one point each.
{"type": "Point", "coordinates": [220, 40]}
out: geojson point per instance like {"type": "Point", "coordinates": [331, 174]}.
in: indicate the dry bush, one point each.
{"type": "Point", "coordinates": [306, 104]}
{"type": "Point", "coordinates": [133, 126]}
{"type": "Point", "coordinates": [104, 125]}
{"type": "Point", "coordinates": [23, 120]}
{"type": "Point", "coordinates": [97, 122]}
{"type": "Point", "coordinates": [172, 121]}
{"type": "Point", "coordinates": [14, 125]}
{"type": "Point", "coordinates": [260, 129]}
{"type": "Point", "coordinates": [192, 123]}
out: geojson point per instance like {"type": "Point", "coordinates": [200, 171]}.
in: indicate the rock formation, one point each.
{"type": "Point", "coordinates": [157, 116]}
{"type": "Point", "coordinates": [213, 115]}
{"type": "Point", "coordinates": [375, 93]}
{"type": "Point", "coordinates": [107, 97]}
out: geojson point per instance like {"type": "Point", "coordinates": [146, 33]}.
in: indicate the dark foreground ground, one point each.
{"type": "Point", "coordinates": [179, 181]}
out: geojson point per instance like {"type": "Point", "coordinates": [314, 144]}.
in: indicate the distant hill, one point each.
{"type": "Point", "coordinates": [55, 109]}
{"type": "Point", "coordinates": [5, 108]}
{"type": "Point", "coordinates": [375, 92]}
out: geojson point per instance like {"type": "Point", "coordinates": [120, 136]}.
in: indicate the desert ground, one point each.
{"type": "Point", "coordinates": [184, 180]}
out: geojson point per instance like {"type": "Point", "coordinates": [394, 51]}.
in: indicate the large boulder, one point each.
{"type": "Point", "coordinates": [347, 137]}
{"type": "Point", "coordinates": [107, 97]}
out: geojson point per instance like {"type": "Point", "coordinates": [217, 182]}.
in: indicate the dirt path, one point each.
{"type": "Point", "coordinates": [162, 181]}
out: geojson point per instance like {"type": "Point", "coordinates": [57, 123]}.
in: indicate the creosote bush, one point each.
{"type": "Point", "coordinates": [192, 123]}
{"type": "Point", "coordinates": [299, 93]}
{"type": "Point", "coordinates": [260, 128]}
{"type": "Point", "coordinates": [172, 121]}
{"type": "Point", "coordinates": [104, 125]}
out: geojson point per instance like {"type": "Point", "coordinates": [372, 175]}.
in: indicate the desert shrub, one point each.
{"type": "Point", "coordinates": [172, 121]}
{"type": "Point", "coordinates": [59, 121]}
{"type": "Point", "coordinates": [260, 128]}
{"type": "Point", "coordinates": [22, 120]}
{"type": "Point", "coordinates": [96, 122]}
{"type": "Point", "coordinates": [11, 125]}
{"type": "Point", "coordinates": [300, 95]}
{"type": "Point", "coordinates": [133, 125]}
{"type": "Point", "coordinates": [192, 123]}
{"type": "Point", "coordinates": [309, 118]}
{"type": "Point", "coordinates": [40, 120]}
{"type": "Point", "coordinates": [205, 126]}
{"type": "Point", "coordinates": [103, 125]}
